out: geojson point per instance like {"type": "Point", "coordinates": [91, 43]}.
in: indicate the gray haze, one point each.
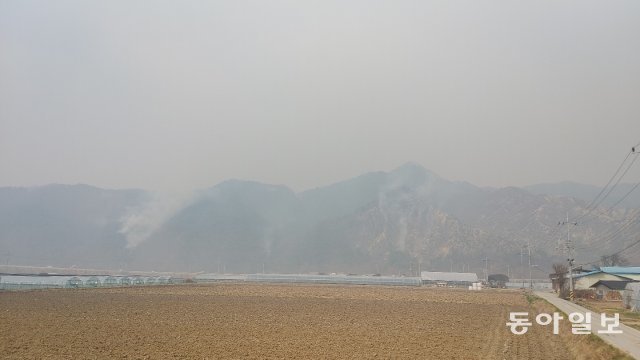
{"type": "Point", "coordinates": [379, 222]}
{"type": "Point", "coordinates": [171, 95]}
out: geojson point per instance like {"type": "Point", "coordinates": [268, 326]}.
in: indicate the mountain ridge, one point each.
{"type": "Point", "coordinates": [392, 222]}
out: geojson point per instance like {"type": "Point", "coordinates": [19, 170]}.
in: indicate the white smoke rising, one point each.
{"type": "Point", "coordinates": [142, 222]}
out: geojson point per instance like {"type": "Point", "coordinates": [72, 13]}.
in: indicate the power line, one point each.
{"type": "Point", "coordinates": [615, 253]}
{"type": "Point", "coordinates": [620, 172]}
{"type": "Point", "coordinates": [606, 190]}
{"type": "Point", "coordinates": [595, 202]}
{"type": "Point", "coordinates": [624, 197]}
{"type": "Point", "coordinates": [614, 233]}
{"type": "Point", "coordinates": [611, 208]}
{"type": "Point", "coordinates": [610, 235]}
{"type": "Point", "coordinates": [611, 179]}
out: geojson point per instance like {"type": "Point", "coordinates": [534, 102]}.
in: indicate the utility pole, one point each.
{"type": "Point", "coordinates": [568, 250]}
{"type": "Point", "coordinates": [522, 265]}
{"type": "Point", "coordinates": [530, 276]}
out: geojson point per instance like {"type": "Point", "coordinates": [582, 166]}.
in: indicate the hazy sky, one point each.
{"type": "Point", "coordinates": [185, 94]}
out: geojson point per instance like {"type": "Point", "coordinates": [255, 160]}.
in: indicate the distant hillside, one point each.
{"type": "Point", "coordinates": [65, 225]}
{"type": "Point", "coordinates": [380, 222]}
{"type": "Point", "coordinates": [390, 222]}
{"type": "Point", "coordinates": [589, 192]}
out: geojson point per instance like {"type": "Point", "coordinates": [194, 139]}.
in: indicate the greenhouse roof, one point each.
{"type": "Point", "coordinates": [448, 276]}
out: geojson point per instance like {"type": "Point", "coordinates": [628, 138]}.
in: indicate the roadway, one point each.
{"type": "Point", "coordinates": [628, 341]}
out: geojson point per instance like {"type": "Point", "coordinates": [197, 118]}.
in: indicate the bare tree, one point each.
{"type": "Point", "coordinates": [613, 260]}
{"type": "Point", "coordinates": [559, 278]}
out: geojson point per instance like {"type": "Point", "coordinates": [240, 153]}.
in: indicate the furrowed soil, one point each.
{"type": "Point", "coordinates": [270, 321]}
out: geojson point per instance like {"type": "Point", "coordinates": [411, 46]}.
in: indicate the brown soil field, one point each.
{"type": "Point", "coordinates": [627, 317]}
{"type": "Point", "coordinates": [258, 321]}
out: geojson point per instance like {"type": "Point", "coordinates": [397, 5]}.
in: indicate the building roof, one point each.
{"type": "Point", "coordinates": [613, 284]}
{"type": "Point", "coordinates": [586, 274]}
{"type": "Point", "coordinates": [448, 276]}
{"type": "Point", "coordinates": [621, 269]}
{"type": "Point", "coordinates": [613, 270]}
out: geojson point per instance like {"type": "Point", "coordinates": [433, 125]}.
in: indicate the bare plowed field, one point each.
{"type": "Point", "coordinates": [269, 321]}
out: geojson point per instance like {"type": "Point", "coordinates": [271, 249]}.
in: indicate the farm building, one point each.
{"type": "Point", "coordinates": [631, 272]}
{"type": "Point", "coordinates": [610, 289]}
{"type": "Point", "coordinates": [448, 278]}
{"type": "Point", "coordinates": [616, 273]}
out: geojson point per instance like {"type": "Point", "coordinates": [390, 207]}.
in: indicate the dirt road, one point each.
{"type": "Point", "coordinates": [628, 341]}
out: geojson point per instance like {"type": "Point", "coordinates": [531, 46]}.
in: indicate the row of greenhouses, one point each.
{"type": "Point", "coordinates": [26, 282]}
{"type": "Point", "coordinates": [335, 279]}
{"type": "Point", "coordinates": [314, 279]}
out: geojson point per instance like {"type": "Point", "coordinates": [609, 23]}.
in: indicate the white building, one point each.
{"type": "Point", "coordinates": [616, 273]}
{"type": "Point", "coordinates": [448, 278]}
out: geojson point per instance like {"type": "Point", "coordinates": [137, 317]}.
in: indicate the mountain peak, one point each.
{"type": "Point", "coordinates": [410, 166]}
{"type": "Point", "coordinates": [412, 175]}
